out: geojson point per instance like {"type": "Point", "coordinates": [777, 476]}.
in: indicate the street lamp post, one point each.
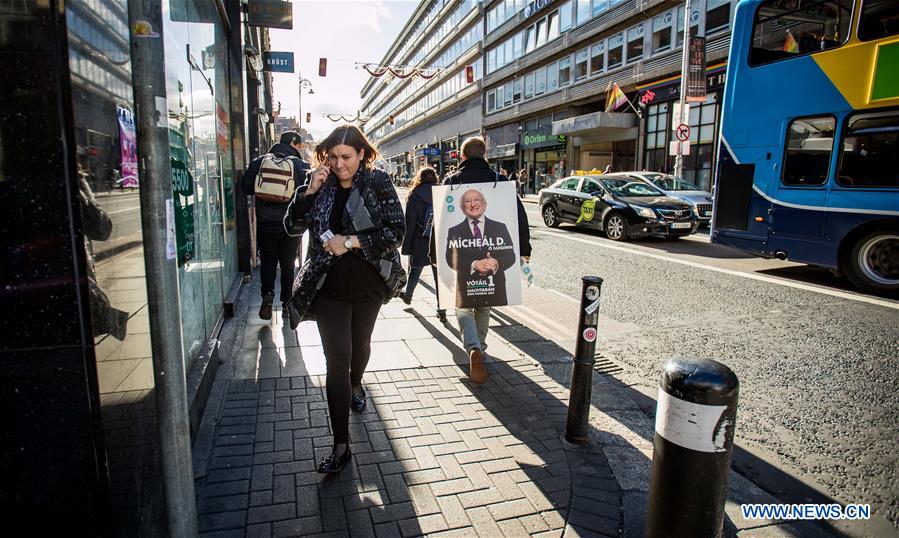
{"type": "Point", "coordinates": [302, 83]}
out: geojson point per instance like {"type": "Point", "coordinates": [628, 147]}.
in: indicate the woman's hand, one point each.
{"type": "Point", "coordinates": [336, 245]}
{"type": "Point", "coordinates": [317, 179]}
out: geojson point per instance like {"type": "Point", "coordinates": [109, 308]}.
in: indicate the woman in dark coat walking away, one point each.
{"type": "Point", "coordinates": [356, 225]}
{"type": "Point", "coordinates": [419, 221]}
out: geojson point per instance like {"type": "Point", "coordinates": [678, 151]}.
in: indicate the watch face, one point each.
{"type": "Point", "coordinates": [348, 243]}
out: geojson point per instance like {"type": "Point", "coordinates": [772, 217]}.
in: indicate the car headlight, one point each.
{"type": "Point", "coordinates": [644, 211]}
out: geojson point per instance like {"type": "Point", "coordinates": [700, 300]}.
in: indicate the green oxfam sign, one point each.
{"type": "Point", "coordinates": [539, 140]}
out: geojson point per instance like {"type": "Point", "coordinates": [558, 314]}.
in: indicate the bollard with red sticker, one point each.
{"type": "Point", "coordinates": [584, 360]}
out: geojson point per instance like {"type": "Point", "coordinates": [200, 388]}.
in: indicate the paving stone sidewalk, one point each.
{"type": "Point", "coordinates": [432, 455]}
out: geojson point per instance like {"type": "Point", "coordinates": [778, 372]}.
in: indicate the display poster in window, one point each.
{"type": "Point", "coordinates": [476, 240]}
{"type": "Point", "coordinates": [696, 79]}
{"type": "Point", "coordinates": [128, 147]}
{"type": "Point", "coordinates": [183, 191]}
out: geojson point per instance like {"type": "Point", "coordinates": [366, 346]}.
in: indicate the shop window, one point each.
{"type": "Point", "coordinates": [635, 43]}
{"type": "Point", "coordinates": [516, 91]}
{"type": "Point", "coordinates": [656, 144]}
{"type": "Point", "coordinates": [565, 17]}
{"type": "Point", "coordinates": [870, 155]}
{"type": "Point", "coordinates": [553, 29]}
{"type": "Point", "coordinates": [552, 77]}
{"type": "Point", "coordinates": [540, 81]}
{"type": "Point", "coordinates": [529, 85]}
{"type": "Point", "coordinates": [597, 57]}
{"type": "Point", "coordinates": [580, 64]}
{"type": "Point", "coordinates": [583, 11]}
{"type": "Point", "coordinates": [809, 147]}
{"type": "Point", "coordinates": [783, 30]}
{"type": "Point", "coordinates": [600, 6]}
{"type": "Point", "coordinates": [880, 18]}
{"type": "Point", "coordinates": [565, 71]}
{"type": "Point", "coordinates": [661, 31]}
{"type": "Point", "coordinates": [717, 15]}
{"type": "Point", "coordinates": [616, 51]}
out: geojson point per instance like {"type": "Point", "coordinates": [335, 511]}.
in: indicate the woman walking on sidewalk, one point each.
{"type": "Point", "coordinates": [419, 221]}
{"type": "Point", "coordinates": [356, 225]}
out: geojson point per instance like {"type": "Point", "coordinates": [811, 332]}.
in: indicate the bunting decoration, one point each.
{"type": "Point", "coordinates": [400, 72]}
{"type": "Point", "coordinates": [347, 118]}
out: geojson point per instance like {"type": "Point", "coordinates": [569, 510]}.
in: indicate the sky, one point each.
{"type": "Point", "coordinates": [344, 32]}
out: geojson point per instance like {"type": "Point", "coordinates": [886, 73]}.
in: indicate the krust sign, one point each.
{"type": "Point", "coordinates": [277, 62]}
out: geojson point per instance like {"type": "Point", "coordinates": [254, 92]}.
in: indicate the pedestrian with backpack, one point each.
{"type": "Point", "coordinates": [272, 179]}
{"type": "Point", "coordinates": [419, 221]}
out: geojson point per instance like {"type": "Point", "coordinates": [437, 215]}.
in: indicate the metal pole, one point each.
{"type": "Point", "coordinates": [147, 58]}
{"type": "Point", "coordinates": [684, 71]}
{"type": "Point", "coordinates": [584, 359]}
{"type": "Point", "coordinates": [694, 439]}
{"type": "Point", "coordinates": [300, 102]}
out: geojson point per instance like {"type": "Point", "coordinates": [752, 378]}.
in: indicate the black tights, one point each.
{"type": "Point", "coordinates": [345, 329]}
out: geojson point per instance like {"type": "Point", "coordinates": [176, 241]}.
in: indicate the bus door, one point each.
{"type": "Point", "coordinates": [798, 214]}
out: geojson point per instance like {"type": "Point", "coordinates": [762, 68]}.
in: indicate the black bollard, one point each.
{"type": "Point", "coordinates": [584, 359]}
{"type": "Point", "coordinates": [695, 422]}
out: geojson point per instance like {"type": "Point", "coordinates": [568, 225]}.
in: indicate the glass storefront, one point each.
{"type": "Point", "coordinates": [198, 88]}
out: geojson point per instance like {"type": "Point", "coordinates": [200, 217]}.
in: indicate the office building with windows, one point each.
{"type": "Point", "coordinates": [419, 121]}
{"type": "Point", "coordinates": [548, 66]}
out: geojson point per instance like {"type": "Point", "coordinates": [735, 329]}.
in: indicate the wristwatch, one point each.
{"type": "Point", "coordinates": [348, 243]}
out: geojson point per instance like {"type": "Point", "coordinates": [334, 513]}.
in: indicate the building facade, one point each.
{"type": "Point", "coordinates": [86, 442]}
{"type": "Point", "coordinates": [420, 121]}
{"type": "Point", "coordinates": [547, 66]}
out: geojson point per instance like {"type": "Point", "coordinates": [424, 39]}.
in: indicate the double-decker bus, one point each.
{"type": "Point", "coordinates": [808, 160]}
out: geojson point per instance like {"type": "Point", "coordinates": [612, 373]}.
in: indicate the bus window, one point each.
{"type": "Point", "coordinates": [880, 18]}
{"type": "Point", "coordinates": [786, 28]}
{"type": "Point", "coordinates": [809, 146]}
{"type": "Point", "coordinates": [871, 151]}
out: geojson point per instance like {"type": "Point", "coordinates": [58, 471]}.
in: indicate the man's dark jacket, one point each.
{"type": "Point", "coordinates": [476, 170]}
{"type": "Point", "coordinates": [269, 215]}
{"type": "Point", "coordinates": [461, 259]}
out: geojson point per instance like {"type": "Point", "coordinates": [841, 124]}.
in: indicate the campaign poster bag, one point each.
{"type": "Point", "coordinates": [476, 236]}
{"type": "Point", "coordinates": [276, 181]}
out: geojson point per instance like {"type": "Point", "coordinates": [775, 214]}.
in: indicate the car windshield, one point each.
{"type": "Point", "coordinates": [629, 187]}
{"type": "Point", "coordinates": [670, 183]}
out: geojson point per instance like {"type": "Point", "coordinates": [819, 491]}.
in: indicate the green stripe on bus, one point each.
{"type": "Point", "coordinates": [886, 76]}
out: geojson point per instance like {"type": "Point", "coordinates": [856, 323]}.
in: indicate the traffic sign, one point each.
{"type": "Point", "coordinates": [682, 132]}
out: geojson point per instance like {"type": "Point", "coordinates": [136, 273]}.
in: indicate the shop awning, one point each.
{"type": "Point", "coordinates": [607, 126]}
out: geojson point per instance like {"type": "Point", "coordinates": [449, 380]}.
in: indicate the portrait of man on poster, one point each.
{"type": "Point", "coordinates": [480, 250]}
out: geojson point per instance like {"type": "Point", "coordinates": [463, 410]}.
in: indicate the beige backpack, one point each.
{"type": "Point", "coordinates": [276, 181]}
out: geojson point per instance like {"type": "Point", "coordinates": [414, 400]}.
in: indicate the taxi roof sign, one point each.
{"type": "Point", "coordinates": [593, 172]}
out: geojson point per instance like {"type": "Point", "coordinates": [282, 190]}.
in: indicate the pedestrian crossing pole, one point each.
{"type": "Point", "coordinates": [684, 81]}
{"type": "Point", "coordinates": [584, 360]}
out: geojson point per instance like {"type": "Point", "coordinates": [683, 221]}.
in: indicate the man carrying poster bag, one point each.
{"type": "Point", "coordinates": [487, 260]}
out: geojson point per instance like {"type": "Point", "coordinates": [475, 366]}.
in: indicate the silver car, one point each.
{"type": "Point", "coordinates": [681, 189]}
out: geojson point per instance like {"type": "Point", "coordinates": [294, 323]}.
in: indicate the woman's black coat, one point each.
{"type": "Point", "coordinates": [418, 235]}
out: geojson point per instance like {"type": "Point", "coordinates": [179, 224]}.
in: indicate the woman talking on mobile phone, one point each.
{"type": "Point", "coordinates": [356, 225]}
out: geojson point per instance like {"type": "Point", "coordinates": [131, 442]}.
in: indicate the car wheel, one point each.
{"type": "Point", "coordinates": [615, 227]}
{"type": "Point", "coordinates": [872, 263]}
{"type": "Point", "coordinates": [550, 217]}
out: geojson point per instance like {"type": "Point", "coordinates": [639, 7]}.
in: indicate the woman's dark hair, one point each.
{"type": "Point", "coordinates": [351, 136]}
{"type": "Point", "coordinates": [425, 174]}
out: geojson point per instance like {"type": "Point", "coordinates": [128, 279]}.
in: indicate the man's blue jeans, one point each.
{"type": "Point", "coordinates": [473, 325]}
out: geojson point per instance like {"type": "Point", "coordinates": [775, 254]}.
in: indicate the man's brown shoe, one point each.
{"type": "Point", "coordinates": [476, 371]}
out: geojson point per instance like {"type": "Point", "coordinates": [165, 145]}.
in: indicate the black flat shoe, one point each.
{"type": "Point", "coordinates": [333, 464]}
{"type": "Point", "coordinates": [359, 403]}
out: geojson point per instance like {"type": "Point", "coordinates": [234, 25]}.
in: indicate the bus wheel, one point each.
{"type": "Point", "coordinates": [872, 264]}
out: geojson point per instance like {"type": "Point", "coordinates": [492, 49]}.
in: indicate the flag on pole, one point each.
{"type": "Point", "coordinates": [790, 43]}
{"type": "Point", "coordinates": [615, 98]}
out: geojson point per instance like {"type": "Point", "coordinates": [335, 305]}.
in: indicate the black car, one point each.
{"type": "Point", "coordinates": [621, 206]}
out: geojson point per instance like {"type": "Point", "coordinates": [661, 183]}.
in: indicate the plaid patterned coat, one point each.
{"type": "Point", "coordinates": [373, 214]}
